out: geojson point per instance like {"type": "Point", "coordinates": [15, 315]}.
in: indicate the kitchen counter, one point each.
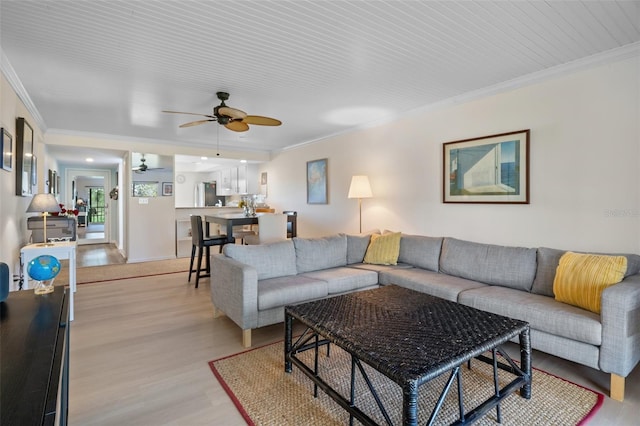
{"type": "Point", "coordinates": [207, 207]}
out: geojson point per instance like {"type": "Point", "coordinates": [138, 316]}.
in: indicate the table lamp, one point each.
{"type": "Point", "coordinates": [360, 188]}
{"type": "Point", "coordinates": [45, 204]}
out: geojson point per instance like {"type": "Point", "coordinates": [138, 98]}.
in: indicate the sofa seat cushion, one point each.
{"type": "Point", "coordinates": [282, 291]}
{"type": "Point", "coordinates": [420, 251]}
{"type": "Point", "coordinates": [541, 312]}
{"type": "Point", "coordinates": [340, 280]}
{"type": "Point", "coordinates": [314, 254]}
{"type": "Point", "coordinates": [433, 283]}
{"type": "Point", "coordinates": [269, 260]}
{"type": "Point", "coordinates": [513, 267]}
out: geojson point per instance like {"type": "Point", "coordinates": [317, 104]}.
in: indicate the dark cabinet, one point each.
{"type": "Point", "coordinates": [34, 358]}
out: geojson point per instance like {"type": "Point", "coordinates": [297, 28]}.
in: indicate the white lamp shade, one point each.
{"type": "Point", "coordinates": [41, 203]}
{"type": "Point", "coordinates": [360, 187]}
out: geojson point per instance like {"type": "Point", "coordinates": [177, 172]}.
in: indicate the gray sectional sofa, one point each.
{"type": "Point", "coordinates": [252, 284]}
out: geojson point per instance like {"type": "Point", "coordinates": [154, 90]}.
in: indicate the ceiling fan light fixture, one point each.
{"type": "Point", "coordinates": [232, 118]}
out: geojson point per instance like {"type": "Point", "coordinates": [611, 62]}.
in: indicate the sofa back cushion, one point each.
{"type": "Point", "coordinates": [314, 254]}
{"type": "Point", "coordinates": [548, 261]}
{"type": "Point", "coordinates": [420, 251]}
{"type": "Point", "coordinates": [357, 247]}
{"type": "Point", "coordinates": [270, 260]}
{"type": "Point", "coordinates": [513, 267]}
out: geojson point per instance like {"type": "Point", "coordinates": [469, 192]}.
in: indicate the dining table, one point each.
{"type": "Point", "coordinates": [228, 220]}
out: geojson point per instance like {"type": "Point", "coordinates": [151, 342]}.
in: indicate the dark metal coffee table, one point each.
{"type": "Point", "coordinates": [411, 338]}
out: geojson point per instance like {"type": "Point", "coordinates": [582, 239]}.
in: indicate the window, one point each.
{"type": "Point", "coordinates": [145, 189]}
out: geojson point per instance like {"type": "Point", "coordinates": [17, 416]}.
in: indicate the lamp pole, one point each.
{"type": "Point", "coordinates": [360, 188]}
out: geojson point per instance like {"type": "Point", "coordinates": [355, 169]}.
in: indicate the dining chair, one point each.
{"type": "Point", "coordinates": [241, 231]}
{"type": "Point", "coordinates": [291, 225]}
{"type": "Point", "coordinates": [199, 242]}
{"type": "Point", "coordinates": [271, 228]}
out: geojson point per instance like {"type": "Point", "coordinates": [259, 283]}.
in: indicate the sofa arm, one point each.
{"type": "Point", "coordinates": [620, 316]}
{"type": "Point", "coordinates": [234, 290]}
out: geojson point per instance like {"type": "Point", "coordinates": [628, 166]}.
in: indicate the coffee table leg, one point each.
{"type": "Point", "coordinates": [288, 323]}
{"type": "Point", "coordinates": [525, 361]}
{"type": "Point", "coordinates": [410, 404]}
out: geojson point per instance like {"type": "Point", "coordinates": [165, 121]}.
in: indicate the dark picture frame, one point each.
{"type": "Point", "coordinates": [24, 160]}
{"type": "Point", "coordinates": [488, 170]}
{"type": "Point", "coordinates": [317, 189]}
{"type": "Point", "coordinates": [167, 189]}
{"type": "Point", "coordinates": [34, 172]}
{"type": "Point", "coordinates": [6, 147]}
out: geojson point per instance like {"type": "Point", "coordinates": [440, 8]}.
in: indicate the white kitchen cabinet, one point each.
{"type": "Point", "coordinates": [239, 180]}
{"type": "Point", "coordinates": [224, 183]}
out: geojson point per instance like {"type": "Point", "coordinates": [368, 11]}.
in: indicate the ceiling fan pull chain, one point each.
{"type": "Point", "coordinates": [218, 141]}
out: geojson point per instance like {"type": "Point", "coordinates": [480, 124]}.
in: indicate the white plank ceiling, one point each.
{"type": "Point", "coordinates": [111, 67]}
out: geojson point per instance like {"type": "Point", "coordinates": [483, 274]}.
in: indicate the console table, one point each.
{"type": "Point", "coordinates": [34, 355]}
{"type": "Point", "coordinates": [60, 250]}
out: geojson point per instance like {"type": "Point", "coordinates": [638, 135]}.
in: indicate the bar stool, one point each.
{"type": "Point", "coordinates": [199, 241]}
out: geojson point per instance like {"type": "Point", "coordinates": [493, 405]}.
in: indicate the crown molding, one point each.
{"type": "Point", "coordinates": [16, 84]}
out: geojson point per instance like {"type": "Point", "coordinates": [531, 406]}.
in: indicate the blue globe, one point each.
{"type": "Point", "coordinates": [43, 268]}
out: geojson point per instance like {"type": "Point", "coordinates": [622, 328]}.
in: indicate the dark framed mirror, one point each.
{"type": "Point", "coordinates": [24, 158]}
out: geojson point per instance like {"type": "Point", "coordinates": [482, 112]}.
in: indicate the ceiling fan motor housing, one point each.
{"type": "Point", "coordinates": [222, 119]}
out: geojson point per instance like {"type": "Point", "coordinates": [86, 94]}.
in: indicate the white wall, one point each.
{"type": "Point", "coordinates": [13, 216]}
{"type": "Point", "coordinates": [585, 151]}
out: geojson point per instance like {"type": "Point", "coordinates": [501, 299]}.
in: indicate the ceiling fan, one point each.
{"type": "Point", "coordinates": [143, 166]}
{"type": "Point", "coordinates": [231, 118]}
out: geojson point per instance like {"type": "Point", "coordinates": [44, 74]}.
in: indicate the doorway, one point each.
{"type": "Point", "coordinates": [95, 212]}
{"type": "Point", "coordinates": [86, 191]}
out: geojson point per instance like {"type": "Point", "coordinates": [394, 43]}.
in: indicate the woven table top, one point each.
{"type": "Point", "coordinates": [407, 335]}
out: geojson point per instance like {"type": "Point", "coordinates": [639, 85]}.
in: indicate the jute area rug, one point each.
{"type": "Point", "coordinates": [94, 274]}
{"type": "Point", "coordinates": [266, 395]}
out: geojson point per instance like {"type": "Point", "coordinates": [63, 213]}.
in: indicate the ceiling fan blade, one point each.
{"type": "Point", "coordinates": [237, 126]}
{"type": "Point", "coordinates": [234, 113]}
{"type": "Point", "coordinates": [190, 113]}
{"type": "Point", "coordinates": [261, 121]}
{"type": "Point", "coordinates": [195, 123]}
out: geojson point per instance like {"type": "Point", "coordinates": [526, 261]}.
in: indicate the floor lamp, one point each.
{"type": "Point", "coordinates": [360, 188]}
{"type": "Point", "coordinates": [45, 204]}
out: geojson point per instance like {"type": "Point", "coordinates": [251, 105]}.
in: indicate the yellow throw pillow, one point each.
{"type": "Point", "coordinates": [383, 249]}
{"type": "Point", "coordinates": [581, 278]}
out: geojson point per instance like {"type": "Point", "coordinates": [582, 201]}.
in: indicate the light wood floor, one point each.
{"type": "Point", "coordinates": [140, 347]}
{"type": "Point", "coordinates": [97, 255]}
